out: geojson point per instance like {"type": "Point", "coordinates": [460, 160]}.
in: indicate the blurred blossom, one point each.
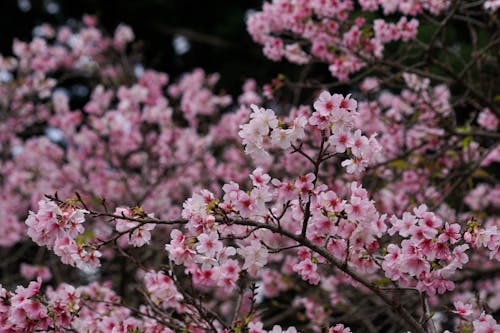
{"type": "Point", "coordinates": [54, 134]}
{"type": "Point", "coordinates": [138, 70]}
{"type": "Point", "coordinates": [44, 30]}
{"type": "Point", "coordinates": [181, 45]}
{"type": "Point", "coordinates": [5, 76]}
{"type": "Point", "coordinates": [16, 150]}
{"type": "Point", "coordinates": [52, 7]}
{"type": "Point", "coordinates": [24, 5]}
{"type": "Point", "coordinates": [249, 13]}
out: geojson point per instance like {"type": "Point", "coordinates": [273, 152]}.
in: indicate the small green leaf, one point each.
{"type": "Point", "coordinates": [465, 142]}
{"type": "Point", "coordinates": [83, 238]}
{"type": "Point", "coordinates": [384, 281]}
{"type": "Point", "coordinates": [400, 164]}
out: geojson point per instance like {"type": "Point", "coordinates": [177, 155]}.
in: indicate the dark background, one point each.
{"type": "Point", "coordinates": [215, 29]}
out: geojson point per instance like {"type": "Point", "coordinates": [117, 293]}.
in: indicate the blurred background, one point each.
{"type": "Point", "coordinates": [175, 36]}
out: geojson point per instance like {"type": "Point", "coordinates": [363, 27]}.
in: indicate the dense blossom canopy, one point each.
{"type": "Point", "coordinates": [365, 202]}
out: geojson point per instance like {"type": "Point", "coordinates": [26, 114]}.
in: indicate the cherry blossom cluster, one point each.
{"type": "Point", "coordinates": [124, 144]}
{"type": "Point", "coordinates": [334, 31]}
{"type": "Point", "coordinates": [196, 97]}
{"type": "Point", "coordinates": [471, 319]}
{"type": "Point", "coordinates": [334, 117]}
{"type": "Point", "coordinates": [34, 62]}
{"type": "Point", "coordinates": [135, 233]}
{"type": "Point", "coordinates": [60, 228]}
{"type": "Point", "coordinates": [426, 253]}
{"type": "Point", "coordinates": [202, 253]}
{"type": "Point", "coordinates": [21, 312]}
{"type": "Point", "coordinates": [30, 272]}
{"type": "Point", "coordinates": [162, 289]}
{"type": "Point", "coordinates": [412, 121]}
{"type": "Point", "coordinates": [491, 5]}
{"type": "Point", "coordinates": [92, 308]}
{"type": "Point", "coordinates": [263, 132]}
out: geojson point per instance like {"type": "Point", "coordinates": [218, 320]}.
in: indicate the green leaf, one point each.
{"type": "Point", "coordinates": [384, 281]}
{"type": "Point", "coordinates": [465, 142]}
{"type": "Point", "coordinates": [400, 164]}
{"type": "Point", "coordinates": [83, 238]}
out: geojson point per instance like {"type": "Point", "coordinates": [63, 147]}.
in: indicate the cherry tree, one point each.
{"type": "Point", "coordinates": [363, 196]}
